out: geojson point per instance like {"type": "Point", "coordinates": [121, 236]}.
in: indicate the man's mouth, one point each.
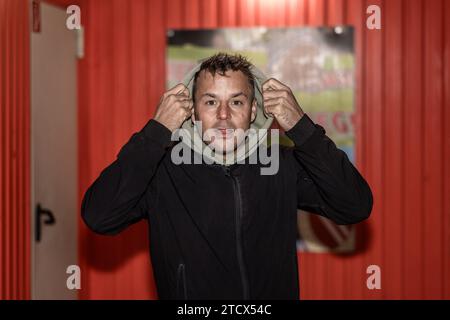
{"type": "Point", "coordinates": [225, 132]}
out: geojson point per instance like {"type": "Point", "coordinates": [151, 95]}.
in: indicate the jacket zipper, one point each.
{"type": "Point", "coordinates": [181, 282]}
{"type": "Point", "coordinates": [238, 218]}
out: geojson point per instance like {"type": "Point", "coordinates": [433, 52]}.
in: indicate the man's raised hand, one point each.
{"type": "Point", "coordinates": [279, 101]}
{"type": "Point", "coordinates": [175, 106]}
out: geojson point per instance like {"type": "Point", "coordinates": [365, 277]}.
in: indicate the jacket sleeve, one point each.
{"type": "Point", "coordinates": [116, 198]}
{"type": "Point", "coordinates": [327, 182]}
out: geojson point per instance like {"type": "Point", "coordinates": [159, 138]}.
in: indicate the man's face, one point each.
{"type": "Point", "coordinates": [223, 105]}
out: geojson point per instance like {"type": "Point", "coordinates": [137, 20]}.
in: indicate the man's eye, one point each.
{"type": "Point", "coordinates": [210, 102]}
{"type": "Point", "coordinates": [236, 103]}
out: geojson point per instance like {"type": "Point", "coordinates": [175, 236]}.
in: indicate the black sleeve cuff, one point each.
{"type": "Point", "coordinates": [302, 130]}
{"type": "Point", "coordinates": [157, 133]}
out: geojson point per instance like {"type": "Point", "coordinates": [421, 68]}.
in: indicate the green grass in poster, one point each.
{"type": "Point", "coordinates": [326, 100]}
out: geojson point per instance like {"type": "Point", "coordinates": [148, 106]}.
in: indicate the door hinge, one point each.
{"type": "Point", "coordinates": [36, 15]}
{"type": "Point", "coordinates": [80, 42]}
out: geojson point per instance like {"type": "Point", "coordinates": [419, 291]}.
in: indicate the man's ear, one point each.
{"type": "Point", "coordinates": [254, 110]}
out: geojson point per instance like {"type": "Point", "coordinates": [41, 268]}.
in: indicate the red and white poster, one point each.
{"type": "Point", "coordinates": [317, 64]}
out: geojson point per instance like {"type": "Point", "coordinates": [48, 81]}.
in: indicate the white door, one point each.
{"type": "Point", "coordinates": [53, 154]}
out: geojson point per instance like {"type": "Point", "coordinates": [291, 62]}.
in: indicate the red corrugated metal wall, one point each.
{"type": "Point", "coordinates": [402, 132]}
{"type": "Point", "coordinates": [120, 80]}
{"type": "Point", "coordinates": [403, 136]}
{"type": "Point", "coordinates": [15, 150]}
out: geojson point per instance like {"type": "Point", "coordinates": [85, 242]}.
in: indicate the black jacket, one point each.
{"type": "Point", "coordinates": [220, 232]}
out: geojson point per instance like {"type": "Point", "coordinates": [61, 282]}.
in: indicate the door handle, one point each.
{"type": "Point", "coordinates": [49, 219]}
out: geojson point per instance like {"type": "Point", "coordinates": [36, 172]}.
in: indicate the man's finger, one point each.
{"type": "Point", "coordinates": [185, 101]}
{"type": "Point", "coordinates": [273, 101]}
{"type": "Point", "coordinates": [184, 92]}
{"type": "Point", "coordinates": [273, 106]}
{"type": "Point", "coordinates": [179, 88]}
{"type": "Point", "coordinates": [273, 84]}
{"type": "Point", "coordinates": [270, 109]}
{"type": "Point", "coordinates": [267, 86]}
{"type": "Point", "coordinates": [270, 94]}
{"type": "Point", "coordinates": [189, 111]}
{"type": "Point", "coordinates": [186, 104]}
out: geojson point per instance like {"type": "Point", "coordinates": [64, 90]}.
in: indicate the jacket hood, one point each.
{"type": "Point", "coordinates": [252, 141]}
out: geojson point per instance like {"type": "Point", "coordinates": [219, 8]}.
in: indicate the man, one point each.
{"type": "Point", "coordinates": [225, 231]}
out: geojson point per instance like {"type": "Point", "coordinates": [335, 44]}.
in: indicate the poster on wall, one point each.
{"type": "Point", "coordinates": [318, 64]}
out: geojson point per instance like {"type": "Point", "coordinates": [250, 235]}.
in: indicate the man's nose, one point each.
{"type": "Point", "coordinates": [223, 112]}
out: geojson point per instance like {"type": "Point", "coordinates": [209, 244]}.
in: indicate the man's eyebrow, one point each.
{"type": "Point", "coordinates": [234, 95]}
{"type": "Point", "coordinates": [212, 95]}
